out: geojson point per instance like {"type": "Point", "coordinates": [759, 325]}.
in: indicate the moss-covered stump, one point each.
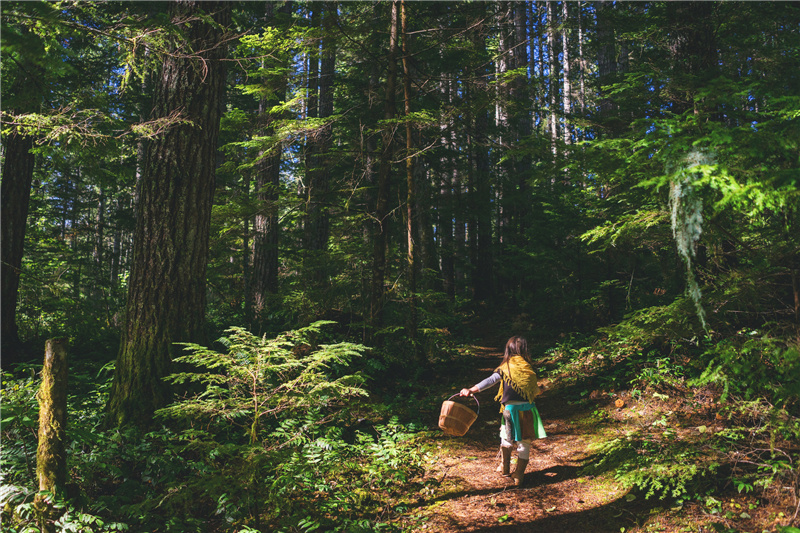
{"type": "Point", "coordinates": [51, 461]}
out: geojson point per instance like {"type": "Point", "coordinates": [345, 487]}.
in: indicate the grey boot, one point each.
{"type": "Point", "coordinates": [506, 466]}
{"type": "Point", "coordinates": [519, 473]}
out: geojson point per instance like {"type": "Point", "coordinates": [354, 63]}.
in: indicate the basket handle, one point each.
{"type": "Point", "coordinates": [473, 397]}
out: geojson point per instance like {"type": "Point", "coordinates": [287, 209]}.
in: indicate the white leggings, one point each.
{"type": "Point", "coordinates": [523, 447]}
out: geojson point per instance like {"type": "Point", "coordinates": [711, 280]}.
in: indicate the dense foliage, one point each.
{"type": "Point", "coordinates": [622, 173]}
{"type": "Point", "coordinates": [273, 432]}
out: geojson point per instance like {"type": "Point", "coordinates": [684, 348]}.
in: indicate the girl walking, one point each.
{"type": "Point", "coordinates": [521, 421]}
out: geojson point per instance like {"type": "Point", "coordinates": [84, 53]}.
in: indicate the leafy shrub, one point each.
{"type": "Point", "coordinates": [755, 364]}
{"type": "Point", "coordinates": [750, 382]}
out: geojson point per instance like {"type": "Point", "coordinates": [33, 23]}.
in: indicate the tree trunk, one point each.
{"type": "Point", "coordinates": [411, 187]}
{"type": "Point", "coordinates": [693, 48]}
{"type": "Point", "coordinates": [446, 209]}
{"type": "Point", "coordinates": [581, 66]}
{"type": "Point", "coordinates": [74, 232]}
{"type": "Point", "coordinates": [459, 220]}
{"type": "Point", "coordinates": [427, 256]}
{"type": "Point", "coordinates": [167, 286]}
{"type": "Point", "coordinates": [97, 252]}
{"type": "Point", "coordinates": [483, 280]}
{"type": "Point", "coordinates": [380, 239]}
{"type": "Point", "coordinates": [15, 193]}
{"type": "Point", "coordinates": [503, 64]}
{"type": "Point", "coordinates": [116, 251]}
{"type": "Point", "coordinates": [51, 454]}
{"type": "Point", "coordinates": [317, 220]}
{"type": "Point", "coordinates": [247, 258]}
{"type": "Point", "coordinates": [552, 79]}
{"type": "Point", "coordinates": [521, 96]}
{"type": "Point", "coordinates": [606, 54]}
{"type": "Point", "coordinates": [580, 132]}
{"type": "Point", "coordinates": [266, 230]}
{"type": "Point", "coordinates": [369, 149]}
{"type": "Point", "coordinates": [540, 63]}
{"type": "Point", "coordinates": [503, 98]}
{"type": "Point", "coordinates": [796, 295]}
{"type": "Point", "coordinates": [472, 200]}
{"type": "Point", "coordinates": [565, 68]}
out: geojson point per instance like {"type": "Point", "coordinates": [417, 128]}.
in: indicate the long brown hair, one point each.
{"type": "Point", "coordinates": [516, 346]}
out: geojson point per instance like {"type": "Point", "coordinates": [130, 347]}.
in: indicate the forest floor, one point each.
{"type": "Point", "coordinates": [558, 495]}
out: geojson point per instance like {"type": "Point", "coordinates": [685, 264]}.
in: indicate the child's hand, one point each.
{"type": "Point", "coordinates": [465, 392]}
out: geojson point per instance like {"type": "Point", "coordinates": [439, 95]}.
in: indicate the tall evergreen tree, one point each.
{"type": "Point", "coordinates": [18, 161]}
{"type": "Point", "coordinates": [381, 225]}
{"type": "Point", "coordinates": [167, 286]}
{"type": "Point", "coordinates": [322, 58]}
{"type": "Point", "coordinates": [266, 230]}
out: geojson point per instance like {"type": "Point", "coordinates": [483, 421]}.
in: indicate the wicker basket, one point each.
{"type": "Point", "coordinates": [455, 418]}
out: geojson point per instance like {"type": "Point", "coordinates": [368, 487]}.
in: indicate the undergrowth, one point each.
{"type": "Point", "coordinates": [693, 414]}
{"type": "Point", "coordinates": [666, 470]}
{"type": "Point", "coordinates": [271, 434]}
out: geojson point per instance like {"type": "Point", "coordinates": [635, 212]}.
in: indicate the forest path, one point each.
{"type": "Point", "coordinates": [555, 496]}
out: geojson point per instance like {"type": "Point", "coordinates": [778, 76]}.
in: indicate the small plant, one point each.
{"type": "Point", "coordinates": [259, 379]}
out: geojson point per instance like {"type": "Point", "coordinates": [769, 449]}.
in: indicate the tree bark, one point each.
{"type": "Point", "coordinates": [459, 218]}
{"type": "Point", "coordinates": [15, 193]}
{"type": "Point", "coordinates": [116, 252]}
{"type": "Point", "coordinates": [521, 96]}
{"type": "Point", "coordinates": [581, 65]}
{"type": "Point", "coordinates": [796, 295]}
{"type": "Point", "coordinates": [167, 286]}
{"type": "Point", "coordinates": [51, 454]}
{"type": "Point", "coordinates": [380, 239]}
{"type": "Point", "coordinates": [606, 52]}
{"type": "Point", "coordinates": [428, 257]}
{"type": "Point", "coordinates": [693, 48]}
{"type": "Point", "coordinates": [97, 251]}
{"type": "Point", "coordinates": [541, 86]}
{"type": "Point", "coordinates": [503, 96]}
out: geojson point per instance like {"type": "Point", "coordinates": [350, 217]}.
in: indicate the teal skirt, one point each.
{"type": "Point", "coordinates": [515, 429]}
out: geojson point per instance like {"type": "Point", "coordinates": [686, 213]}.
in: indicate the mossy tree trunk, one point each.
{"type": "Point", "coordinates": [167, 286]}
{"type": "Point", "coordinates": [51, 460]}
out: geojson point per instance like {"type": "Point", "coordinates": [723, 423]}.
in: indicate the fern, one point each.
{"type": "Point", "coordinates": [260, 378]}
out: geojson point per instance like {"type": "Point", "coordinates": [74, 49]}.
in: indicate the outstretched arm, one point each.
{"type": "Point", "coordinates": [483, 385]}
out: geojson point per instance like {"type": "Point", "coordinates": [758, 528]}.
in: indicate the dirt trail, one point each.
{"type": "Point", "coordinates": [555, 496]}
